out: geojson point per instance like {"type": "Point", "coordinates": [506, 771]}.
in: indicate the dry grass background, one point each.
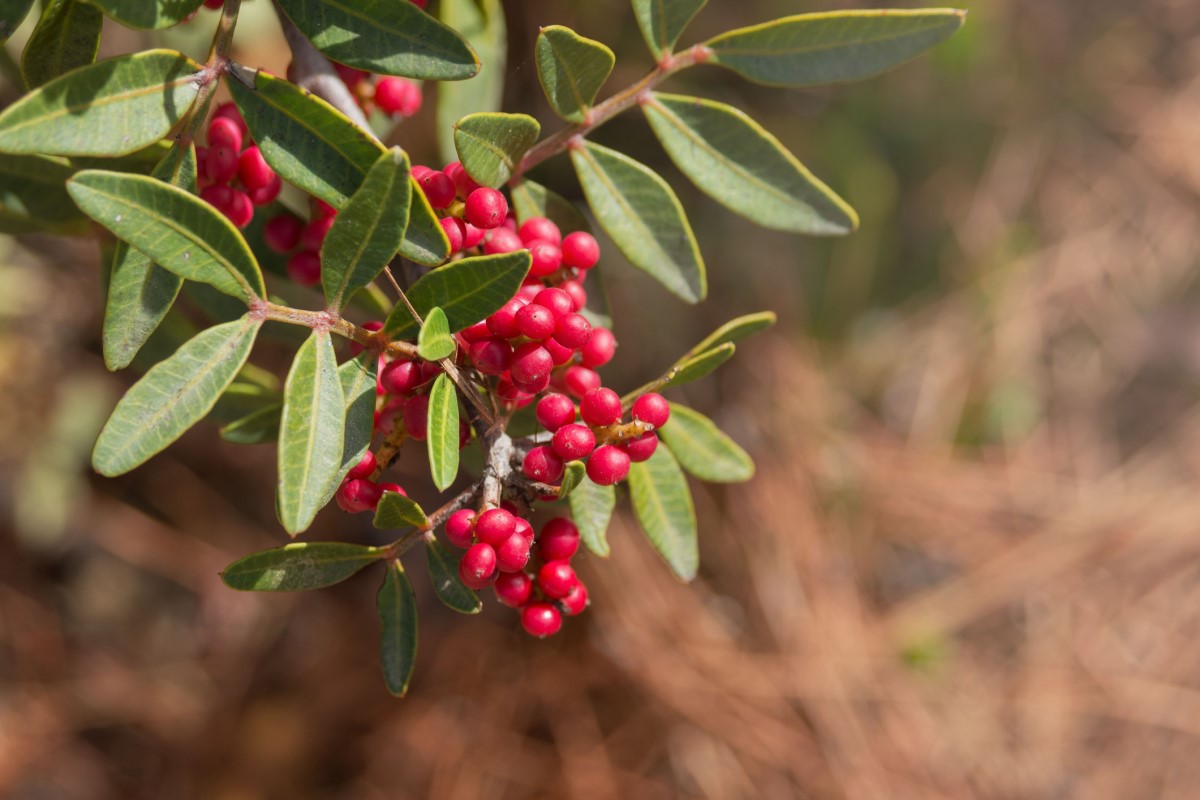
{"type": "Point", "coordinates": [967, 567]}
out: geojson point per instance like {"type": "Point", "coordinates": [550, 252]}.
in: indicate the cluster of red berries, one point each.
{"type": "Point", "coordinates": [396, 97]}
{"type": "Point", "coordinates": [358, 492]}
{"type": "Point", "coordinates": [499, 545]}
{"type": "Point", "coordinates": [232, 174]}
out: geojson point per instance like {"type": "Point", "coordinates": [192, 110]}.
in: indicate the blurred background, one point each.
{"type": "Point", "coordinates": [967, 567]}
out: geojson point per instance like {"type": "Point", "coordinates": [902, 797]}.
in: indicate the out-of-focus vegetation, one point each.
{"type": "Point", "coordinates": [967, 567]}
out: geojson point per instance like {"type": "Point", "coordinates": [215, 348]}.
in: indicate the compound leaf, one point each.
{"type": "Point", "coordinates": [490, 145]}
{"type": "Point", "coordinates": [738, 164]}
{"type": "Point", "coordinates": [662, 502]}
{"type": "Point", "coordinates": [297, 566]}
{"type": "Point", "coordinates": [111, 108]}
{"type": "Point", "coordinates": [703, 450]}
{"type": "Point", "coordinates": [468, 290]}
{"type": "Point", "coordinates": [442, 440]}
{"type": "Point", "coordinates": [572, 69]}
{"type": "Point", "coordinates": [817, 49]}
{"type": "Point", "coordinates": [174, 395]}
{"type": "Point", "coordinates": [641, 213]}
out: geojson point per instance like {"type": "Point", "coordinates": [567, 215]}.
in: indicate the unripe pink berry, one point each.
{"type": "Point", "coordinates": [486, 208]}
{"type": "Point", "coordinates": [416, 417]}
{"type": "Point", "coordinates": [554, 411]}
{"type": "Point", "coordinates": [460, 527]}
{"type": "Point", "coordinates": [641, 448]}
{"type": "Point", "coordinates": [478, 565]}
{"type": "Point", "coordinates": [494, 526]}
{"type": "Point", "coordinates": [573, 442]}
{"type": "Point", "coordinates": [580, 250]}
{"type": "Point", "coordinates": [546, 259]}
{"type": "Point", "coordinates": [556, 579]}
{"type": "Point", "coordinates": [600, 349]}
{"type": "Point", "coordinates": [541, 619]}
{"type": "Point", "coordinates": [575, 600]}
{"type": "Point", "coordinates": [559, 540]}
{"type": "Point", "coordinates": [364, 467]}
{"type": "Point", "coordinates": [454, 232]}
{"type": "Point", "coordinates": [536, 228]}
{"type": "Point", "coordinates": [608, 465]}
{"type": "Point", "coordinates": [491, 356]}
{"type": "Point", "coordinates": [578, 381]}
{"type": "Point", "coordinates": [572, 330]}
{"type": "Point", "coordinates": [438, 189]}
{"type": "Point", "coordinates": [600, 407]}
{"type": "Point", "coordinates": [305, 268]}
{"type": "Point", "coordinates": [514, 589]}
{"type": "Point", "coordinates": [499, 240]}
{"type": "Point", "coordinates": [513, 555]}
{"type": "Point", "coordinates": [542, 464]}
{"type": "Point", "coordinates": [652, 408]}
{"type": "Point", "coordinates": [535, 322]}
{"type": "Point", "coordinates": [531, 364]}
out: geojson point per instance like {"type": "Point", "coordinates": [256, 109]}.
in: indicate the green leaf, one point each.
{"type": "Point", "coordinates": [425, 240]}
{"type": "Point", "coordinates": [638, 210]}
{"type": "Point", "coordinates": [111, 108]}
{"type": "Point", "coordinates": [693, 368]}
{"type": "Point", "coordinates": [397, 607]}
{"type": "Point", "coordinates": [591, 508]}
{"type": "Point", "coordinates": [397, 511]}
{"type": "Point", "coordinates": [703, 450]}
{"type": "Point", "coordinates": [482, 23]}
{"type": "Point", "coordinates": [534, 200]}
{"type": "Point", "coordinates": [734, 331]}
{"type": "Point", "coordinates": [468, 290]}
{"type": "Point", "coordinates": [140, 293]}
{"type": "Point", "coordinates": [662, 502]}
{"type": "Point", "coordinates": [443, 572]}
{"type": "Point", "coordinates": [443, 432]}
{"type": "Point", "coordinates": [148, 14]}
{"type": "Point", "coordinates": [434, 342]}
{"type": "Point", "coordinates": [33, 196]}
{"type": "Point", "coordinates": [174, 395]}
{"type": "Point", "coordinates": [368, 231]}
{"type": "Point", "coordinates": [257, 427]}
{"type": "Point", "coordinates": [67, 36]}
{"type": "Point", "coordinates": [490, 145]}
{"type": "Point", "coordinates": [357, 377]}
{"type": "Point", "coordinates": [297, 566]}
{"type": "Point", "coordinates": [311, 433]}
{"type": "Point", "coordinates": [573, 474]}
{"type": "Point", "coordinates": [662, 21]}
{"type": "Point", "coordinates": [738, 164]}
{"type": "Point", "coordinates": [572, 69]}
{"type": "Point", "coordinates": [817, 49]}
{"type": "Point", "coordinates": [384, 36]}
{"type": "Point", "coordinates": [12, 12]}
{"type": "Point", "coordinates": [176, 229]}
{"type": "Point", "coordinates": [307, 141]}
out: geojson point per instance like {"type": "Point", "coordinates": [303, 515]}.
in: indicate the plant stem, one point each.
{"type": "Point", "coordinates": [602, 113]}
{"type": "Point", "coordinates": [332, 322]}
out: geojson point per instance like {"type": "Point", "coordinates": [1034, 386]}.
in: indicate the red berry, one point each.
{"type": "Point", "coordinates": [464, 433]}
{"type": "Point", "coordinates": [358, 495]}
{"type": "Point", "coordinates": [266, 194]}
{"type": "Point", "coordinates": [600, 349]}
{"type": "Point", "coordinates": [305, 268]}
{"type": "Point", "coordinates": [652, 408]}
{"type": "Point", "coordinates": [541, 619]}
{"type": "Point", "coordinates": [558, 301]}
{"type": "Point", "coordinates": [472, 236]}
{"type": "Point", "coordinates": [547, 258]}
{"type": "Point", "coordinates": [214, 3]}
{"type": "Point", "coordinates": [495, 525]}
{"type": "Point", "coordinates": [438, 189]}
{"type": "Point", "coordinates": [503, 323]}
{"type": "Point", "coordinates": [580, 380]}
{"type": "Point", "coordinates": [500, 240]}
{"type": "Point", "coordinates": [240, 209]}
{"type": "Point", "coordinates": [491, 356]}
{"type": "Point", "coordinates": [576, 600]}
{"type": "Point", "coordinates": [221, 164]}
{"type": "Point", "coordinates": [531, 365]}
{"type": "Point", "coordinates": [535, 322]}
{"type": "Point", "coordinates": [513, 555]}
{"type": "Point", "coordinates": [454, 232]}
{"type": "Point", "coordinates": [555, 411]}
{"type": "Point", "coordinates": [575, 291]}
{"type": "Point", "coordinates": [580, 250]}
{"type": "Point", "coordinates": [315, 232]}
{"type": "Point", "coordinates": [401, 377]}
{"type": "Point", "coordinates": [514, 589]}
{"type": "Point", "coordinates": [608, 465]}
{"type": "Point", "coordinates": [392, 487]}
{"type": "Point", "coordinates": [462, 179]}
{"type": "Point", "coordinates": [398, 97]}
{"type": "Point", "coordinates": [478, 565]}
{"type": "Point", "coordinates": [350, 76]}
{"type": "Point", "coordinates": [559, 540]}
{"type": "Point", "coordinates": [572, 330]}
{"type": "Point", "coordinates": [572, 442]}
{"type": "Point", "coordinates": [556, 579]}
{"type": "Point", "coordinates": [224, 132]}
{"type": "Point", "coordinates": [529, 289]}
{"type": "Point", "coordinates": [420, 3]}
{"type": "Point", "coordinates": [364, 467]}
{"type": "Point", "coordinates": [536, 228]}
{"type": "Point", "coordinates": [525, 529]}
{"type": "Point", "coordinates": [486, 208]}
{"type": "Point", "coordinates": [460, 527]}
{"type": "Point", "coordinates": [600, 407]}
{"type": "Point", "coordinates": [416, 417]}
{"type": "Point", "coordinates": [542, 464]}
{"type": "Point", "coordinates": [253, 169]}
{"type": "Point", "coordinates": [230, 111]}
{"type": "Point", "coordinates": [561, 354]}
{"type": "Point", "coordinates": [475, 333]}
{"type": "Point", "coordinates": [641, 448]}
